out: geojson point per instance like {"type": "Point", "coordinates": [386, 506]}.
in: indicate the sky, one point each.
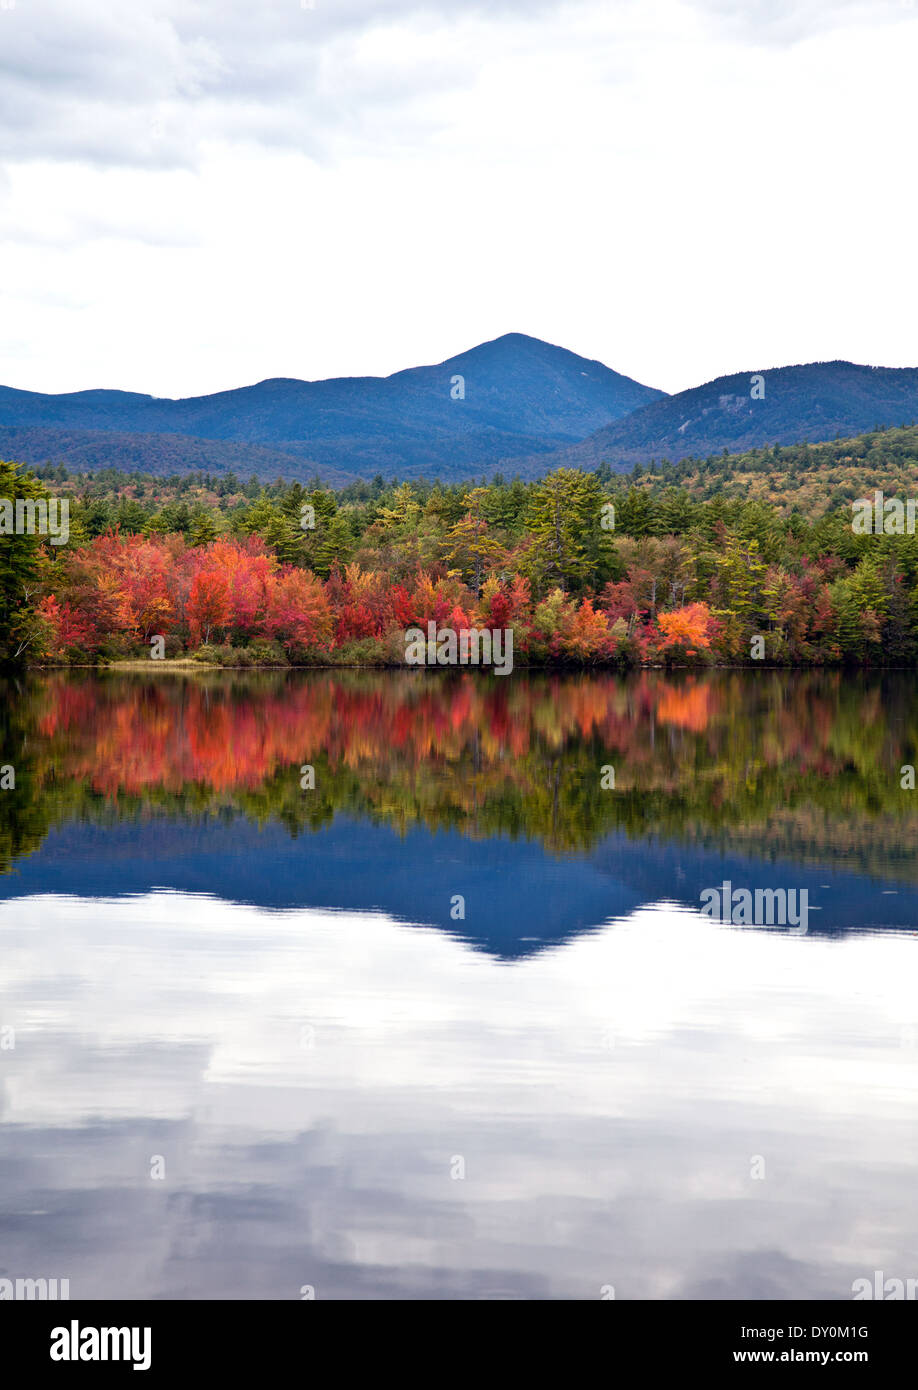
{"type": "Point", "coordinates": [200, 194]}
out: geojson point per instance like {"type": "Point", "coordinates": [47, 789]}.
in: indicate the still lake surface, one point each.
{"type": "Point", "coordinates": [250, 1046]}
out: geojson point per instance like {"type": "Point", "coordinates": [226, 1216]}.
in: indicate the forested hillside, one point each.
{"type": "Point", "coordinates": [809, 478]}
{"type": "Point", "coordinates": [747, 410]}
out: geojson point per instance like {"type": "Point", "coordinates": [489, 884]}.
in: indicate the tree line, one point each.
{"type": "Point", "coordinates": [585, 568]}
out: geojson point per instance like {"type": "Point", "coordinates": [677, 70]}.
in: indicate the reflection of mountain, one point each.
{"type": "Point", "coordinates": [518, 898]}
{"type": "Point", "coordinates": [500, 781]}
{"type": "Point", "coordinates": [840, 898]}
{"type": "Point", "coordinates": [512, 890]}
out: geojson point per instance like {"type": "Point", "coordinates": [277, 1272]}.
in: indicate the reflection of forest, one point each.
{"type": "Point", "coordinates": [805, 764]}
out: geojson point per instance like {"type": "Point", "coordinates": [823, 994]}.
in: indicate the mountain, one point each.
{"type": "Point", "coordinates": [516, 395]}
{"type": "Point", "coordinates": [816, 401]}
{"type": "Point", "coordinates": [528, 407]}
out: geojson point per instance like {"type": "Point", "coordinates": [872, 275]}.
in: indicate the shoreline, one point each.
{"type": "Point", "coordinates": [188, 664]}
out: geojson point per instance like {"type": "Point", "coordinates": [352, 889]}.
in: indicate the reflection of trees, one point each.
{"type": "Point", "coordinates": [805, 763]}
{"type": "Point", "coordinates": [25, 814]}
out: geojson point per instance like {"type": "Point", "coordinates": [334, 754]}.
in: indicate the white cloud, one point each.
{"type": "Point", "coordinates": [236, 191]}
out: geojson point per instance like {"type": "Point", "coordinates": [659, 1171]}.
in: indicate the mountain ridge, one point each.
{"type": "Point", "coordinates": [514, 404]}
{"type": "Point", "coordinates": [501, 398]}
{"type": "Point", "coordinates": [806, 402]}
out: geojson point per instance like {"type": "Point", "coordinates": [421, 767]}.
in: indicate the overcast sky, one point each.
{"type": "Point", "coordinates": [199, 194]}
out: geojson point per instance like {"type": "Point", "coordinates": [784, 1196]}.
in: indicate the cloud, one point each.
{"type": "Point", "coordinates": [153, 85]}
{"type": "Point", "coordinates": [666, 185]}
{"type": "Point", "coordinates": [149, 86]}
{"type": "Point", "coordinates": [157, 85]}
{"type": "Point", "coordinates": [784, 22]}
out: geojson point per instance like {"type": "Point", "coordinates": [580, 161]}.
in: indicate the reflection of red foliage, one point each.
{"type": "Point", "coordinates": [128, 737]}
{"type": "Point", "coordinates": [687, 707]}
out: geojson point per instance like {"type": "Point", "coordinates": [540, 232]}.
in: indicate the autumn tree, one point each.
{"type": "Point", "coordinates": [468, 547]}
{"type": "Point", "coordinates": [209, 607]}
{"type": "Point", "coordinates": [685, 631]}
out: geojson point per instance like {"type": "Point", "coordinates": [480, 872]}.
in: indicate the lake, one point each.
{"type": "Point", "coordinates": [375, 985]}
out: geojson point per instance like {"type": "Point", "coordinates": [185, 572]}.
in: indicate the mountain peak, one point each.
{"type": "Point", "coordinates": [515, 395]}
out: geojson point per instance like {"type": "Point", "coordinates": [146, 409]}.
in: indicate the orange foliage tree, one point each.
{"type": "Point", "coordinates": [688, 628]}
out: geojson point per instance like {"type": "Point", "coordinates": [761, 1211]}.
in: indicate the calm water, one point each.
{"type": "Point", "coordinates": [250, 1044]}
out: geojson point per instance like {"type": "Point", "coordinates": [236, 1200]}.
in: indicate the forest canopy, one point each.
{"type": "Point", "coordinates": [687, 563]}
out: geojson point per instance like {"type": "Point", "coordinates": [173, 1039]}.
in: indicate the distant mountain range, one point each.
{"type": "Point", "coordinates": [461, 418]}
{"type": "Point", "coordinates": [791, 405]}
{"type": "Point", "coordinates": [517, 405]}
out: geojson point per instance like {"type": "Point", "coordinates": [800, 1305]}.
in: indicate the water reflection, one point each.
{"type": "Point", "coordinates": [726, 753]}
{"type": "Point", "coordinates": [493, 787]}
{"type": "Point", "coordinates": [311, 1079]}
{"type": "Point", "coordinates": [582, 1083]}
